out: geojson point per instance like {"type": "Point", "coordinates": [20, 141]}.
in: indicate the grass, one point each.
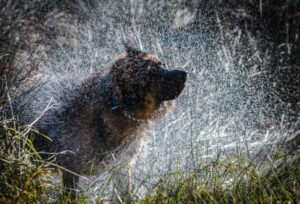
{"type": "Point", "coordinates": [237, 180]}
{"type": "Point", "coordinates": [21, 174]}
{"type": "Point", "coordinates": [26, 178]}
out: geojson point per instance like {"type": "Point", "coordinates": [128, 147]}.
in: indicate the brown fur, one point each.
{"type": "Point", "coordinates": [109, 112]}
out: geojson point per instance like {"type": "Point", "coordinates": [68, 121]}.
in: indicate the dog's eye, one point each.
{"type": "Point", "coordinates": [147, 63]}
{"type": "Point", "coordinates": [161, 65]}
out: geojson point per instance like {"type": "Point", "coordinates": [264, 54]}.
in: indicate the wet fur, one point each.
{"type": "Point", "coordinates": [95, 125]}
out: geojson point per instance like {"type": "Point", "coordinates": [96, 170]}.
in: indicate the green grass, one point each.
{"type": "Point", "coordinates": [21, 174]}
{"type": "Point", "coordinates": [26, 178]}
{"type": "Point", "coordinates": [235, 180]}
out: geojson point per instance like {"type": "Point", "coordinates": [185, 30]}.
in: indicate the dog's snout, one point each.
{"type": "Point", "coordinates": [175, 76]}
{"type": "Point", "coordinates": [180, 75]}
{"type": "Point", "coordinates": [172, 84]}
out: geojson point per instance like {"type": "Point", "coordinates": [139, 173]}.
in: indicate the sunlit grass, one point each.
{"type": "Point", "coordinates": [21, 177]}
{"type": "Point", "coordinates": [237, 180]}
{"type": "Point", "coordinates": [26, 178]}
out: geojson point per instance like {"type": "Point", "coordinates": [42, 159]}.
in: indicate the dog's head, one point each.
{"type": "Point", "coordinates": [142, 83]}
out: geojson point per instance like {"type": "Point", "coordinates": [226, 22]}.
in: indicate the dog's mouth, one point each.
{"type": "Point", "coordinates": [171, 84]}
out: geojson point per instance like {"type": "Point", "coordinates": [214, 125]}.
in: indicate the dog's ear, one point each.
{"type": "Point", "coordinates": [131, 51]}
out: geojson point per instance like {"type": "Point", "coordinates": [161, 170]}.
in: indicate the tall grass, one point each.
{"type": "Point", "coordinates": [26, 177]}
{"type": "Point", "coordinates": [23, 174]}
{"type": "Point", "coordinates": [235, 180]}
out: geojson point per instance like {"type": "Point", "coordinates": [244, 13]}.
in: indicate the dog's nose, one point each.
{"type": "Point", "coordinates": [180, 75]}
{"type": "Point", "coordinates": [175, 76]}
{"type": "Point", "coordinates": [172, 84]}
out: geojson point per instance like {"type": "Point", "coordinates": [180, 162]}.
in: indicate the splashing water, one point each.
{"type": "Point", "coordinates": [229, 104]}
